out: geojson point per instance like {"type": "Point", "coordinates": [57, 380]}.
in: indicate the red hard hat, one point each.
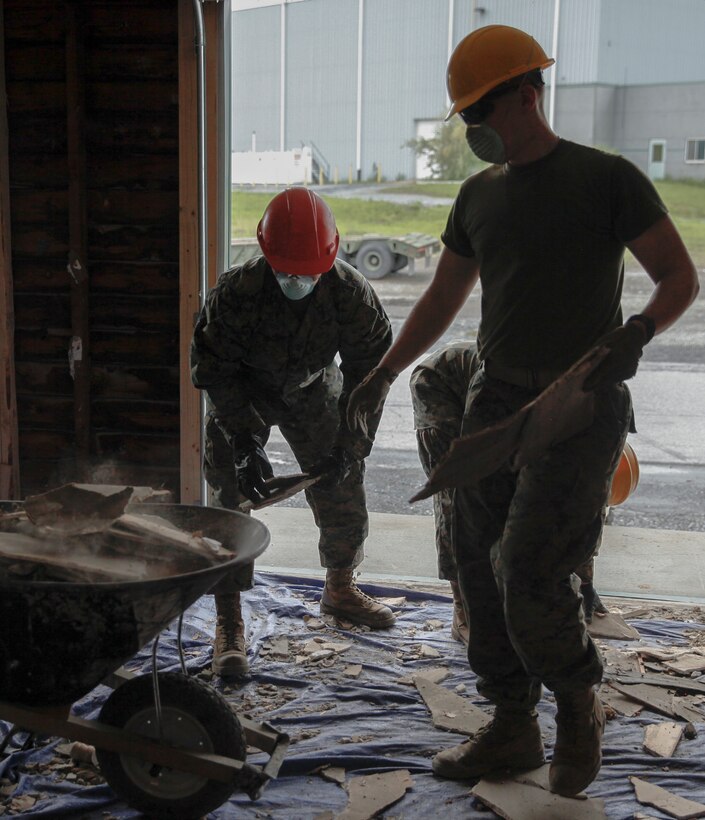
{"type": "Point", "coordinates": [297, 233]}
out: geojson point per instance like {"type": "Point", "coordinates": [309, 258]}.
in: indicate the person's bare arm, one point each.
{"type": "Point", "coordinates": [664, 257]}
{"type": "Point", "coordinates": [455, 277]}
{"type": "Point", "coordinates": [451, 285]}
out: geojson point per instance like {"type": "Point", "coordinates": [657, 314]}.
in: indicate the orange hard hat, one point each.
{"type": "Point", "coordinates": [297, 233]}
{"type": "Point", "coordinates": [487, 57]}
{"type": "Point", "coordinates": [625, 478]}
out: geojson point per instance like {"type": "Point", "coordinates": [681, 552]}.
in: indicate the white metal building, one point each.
{"type": "Point", "coordinates": [355, 80]}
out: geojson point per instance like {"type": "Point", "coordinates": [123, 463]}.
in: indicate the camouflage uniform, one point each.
{"type": "Point", "coordinates": [439, 389]}
{"type": "Point", "coordinates": [538, 526]}
{"type": "Point", "coordinates": [264, 361]}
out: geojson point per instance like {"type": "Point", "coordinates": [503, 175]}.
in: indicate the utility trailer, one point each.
{"type": "Point", "coordinates": [374, 255]}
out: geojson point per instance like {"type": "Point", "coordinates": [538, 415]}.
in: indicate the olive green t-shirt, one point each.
{"type": "Point", "coordinates": [549, 238]}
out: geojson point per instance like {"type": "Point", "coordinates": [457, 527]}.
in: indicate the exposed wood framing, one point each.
{"type": "Point", "coordinates": [188, 254]}
{"type": "Point", "coordinates": [79, 353]}
{"type": "Point", "coordinates": [213, 24]}
{"type": "Point", "coordinates": [9, 447]}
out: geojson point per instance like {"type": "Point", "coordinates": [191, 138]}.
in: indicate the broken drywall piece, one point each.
{"type": "Point", "coordinates": [450, 711]}
{"type": "Point", "coordinates": [660, 653]}
{"type": "Point", "coordinates": [353, 670]}
{"type": "Point", "coordinates": [525, 801]}
{"type": "Point", "coordinates": [620, 703]}
{"type": "Point", "coordinates": [426, 651]}
{"type": "Point", "coordinates": [370, 794]}
{"type": "Point", "coordinates": [74, 509]}
{"type": "Point", "coordinates": [686, 664]}
{"type": "Point", "coordinates": [336, 774]}
{"type": "Point", "coordinates": [672, 804]}
{"type": "Point", "coordinates": [392, 601]}
{"type": "Point", "coordinates": [612, 626]}
{"type": "Point", "coordinates": [279, 647]}
{"type": "Point", "coordinates": [619, 662]}
{"type": "Point", "coordinates": [434, 674]}
{"type": "Point", "coordinates": [539, 777]}
{"type": "Point", "coordinates": [661, 739]}
{"type": "Point", "coordinates": [336, 646]}
{"type": "Point", "coordinates": [659, 700]}
{"type": "Point", "coordinates": [667, 681]}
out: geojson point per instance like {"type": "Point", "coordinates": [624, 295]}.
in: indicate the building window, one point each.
{"type": "Point", "coordinates": [695, 150]}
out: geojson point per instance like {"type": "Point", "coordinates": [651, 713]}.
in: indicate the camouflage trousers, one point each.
{"type": "Point", "coordinates": [308, 420]}
{"type": "Point", "coordinates": [439, 389]}
{"type": "Point", "coordinates": [439, 386]}
{"type": "Point", "coordinates": [519, 537]}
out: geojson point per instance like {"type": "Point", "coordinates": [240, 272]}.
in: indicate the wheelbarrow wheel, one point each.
{"type": "Point", "coordinates": [194, 717]}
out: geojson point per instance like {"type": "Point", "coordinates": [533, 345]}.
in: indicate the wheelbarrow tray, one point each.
{"type": "Point", "coordinates": [60, 640]}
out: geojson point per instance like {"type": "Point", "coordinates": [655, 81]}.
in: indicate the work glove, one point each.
{"type": "Point", "coordinates": [367, 399]}
{"type": "Point", "coordinates": [334, 468]}
{"type": "Point", "coordinates": [592, 605]}
{"type": "Point", "coordinates": [625, 344]}
{"type": "Point", "coordinates": [252, 468]}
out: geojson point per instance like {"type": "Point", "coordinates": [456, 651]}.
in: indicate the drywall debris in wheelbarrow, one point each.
{"type": "Point", "coordinates": [75, 534]}
{"type": "Point", "coordinates": [75, 509]}
{"type": "Point", "coordinates": [67, 636]}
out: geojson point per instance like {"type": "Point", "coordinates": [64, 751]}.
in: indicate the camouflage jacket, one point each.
{"type": "Point", "coordinates": [249, 343]}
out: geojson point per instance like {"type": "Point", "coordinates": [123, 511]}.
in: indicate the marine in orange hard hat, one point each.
{"type": "Point", "coordinates": [297, 233]}
{"type": "Point", "coordinates": [487, 58]}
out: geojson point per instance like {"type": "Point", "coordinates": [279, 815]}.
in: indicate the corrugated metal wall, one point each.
{"type": "Point", "coordinates": [255, 89]}
{"type": "Point", "coordinates": [601, 44]}
{"type": "Point", "coordinates": [405, 46]}
{"type": "Point", "coordinates": [649, 41]}
{"type": "Point", "coordinates": [321, 71]}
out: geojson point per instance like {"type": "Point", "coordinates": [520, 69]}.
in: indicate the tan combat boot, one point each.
{"type": "Point", "coordinates": [344, 600]}
{"type": "Point", "coordinates": [577, 755]}
{"type": "Point", "coordinates": [459, 628]}
{"type": "Point", "coordinates": [512, 740]}
{"type": "Point", "coordinates": [229, 652]}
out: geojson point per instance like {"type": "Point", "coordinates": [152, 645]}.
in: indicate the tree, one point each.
{"type": "Point", "coordinates": [446, 152]}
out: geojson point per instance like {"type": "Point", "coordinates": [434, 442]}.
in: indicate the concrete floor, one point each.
{"type": "Point", "coordinates": [666, 565]}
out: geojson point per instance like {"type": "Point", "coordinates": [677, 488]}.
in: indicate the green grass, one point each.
{"type": "Point", "coordinates": [684, 199]}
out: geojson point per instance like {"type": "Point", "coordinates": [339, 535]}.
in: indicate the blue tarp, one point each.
{"type": "Point", "coordinates": [371, 723]}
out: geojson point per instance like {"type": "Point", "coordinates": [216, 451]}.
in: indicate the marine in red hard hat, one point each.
{"type": "Point", "coordinates": [281, 341]}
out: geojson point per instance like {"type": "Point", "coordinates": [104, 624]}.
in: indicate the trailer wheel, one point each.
{"type": "Point", "coordinates": [194, 717]}
{"type": "Point", "coordinates": [374, 260]}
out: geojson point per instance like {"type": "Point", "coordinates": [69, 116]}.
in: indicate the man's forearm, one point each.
{"type": "Point", "coordinates": [454, 280]}
{"type": "Point", "coordinates": [664, 257]}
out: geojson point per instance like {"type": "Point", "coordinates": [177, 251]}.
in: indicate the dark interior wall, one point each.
{"type": "Point", "coordinates": [126, 206]}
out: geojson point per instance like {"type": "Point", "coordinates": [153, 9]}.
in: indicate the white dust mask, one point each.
{"type": "Point", "coordinates": [296, 287]}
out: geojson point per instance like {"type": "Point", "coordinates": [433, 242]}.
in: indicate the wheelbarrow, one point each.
{"type": "Point", "coordinates": [168, 744]}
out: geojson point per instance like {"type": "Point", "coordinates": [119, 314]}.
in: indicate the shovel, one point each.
{"type": "Point", "coordinates": [280, 488]}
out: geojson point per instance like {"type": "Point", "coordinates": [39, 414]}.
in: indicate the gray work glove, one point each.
{"type": "Point", "coordinates": [592, 605]}
{"type": "Point", "coordinates": [252, 468]}
{"type": "Point", "coordinates": [367, 399]}
{"type": "Point", "coordinates": [625, 344]}
{"type": "Point", "coordinates": [334, 469]}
